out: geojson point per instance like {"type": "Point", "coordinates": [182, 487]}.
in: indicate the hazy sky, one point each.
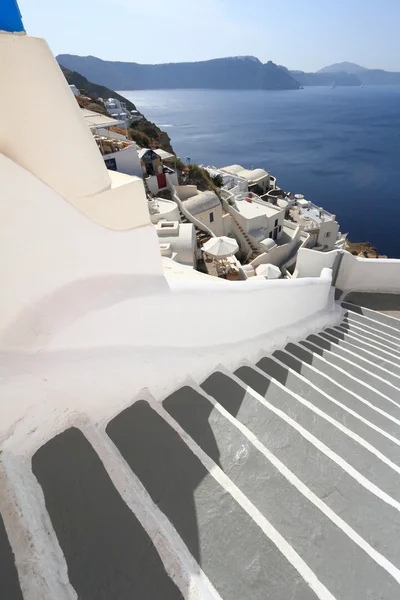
{"type": "Point", "coordinates": [300, 34]}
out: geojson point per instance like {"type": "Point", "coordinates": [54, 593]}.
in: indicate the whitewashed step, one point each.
{"type": "Point", "coordinates": [340, 487]}
{"type": "Point", "coordinates": [378, 325]}
{"type": "Point", "coordinates": [265, 483]}
{"type": "Point", "coordinates": [370, 354]}
{"type": "Point", "coordinates": [232, 550]}
{"type": "Point", "coordinates": [350, 322]}
{"type": "Point", "coordinates": [108, 553]}
{"type": "Point", "coordinates": [365, 344]}
{"type": "Point", "coordinates": [352, 377]}
{"type": "Point", "coordinates": [370, 365]}
{"type": "Point", "coordinates": [352, 418]}
{"type": "Point", "coordinates": [381, 318]}
{"type": "Point", "coordinates": [365, 337]}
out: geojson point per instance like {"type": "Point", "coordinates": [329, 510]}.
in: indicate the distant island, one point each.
{"type": "Point", "coordinates": [237, 72]}
{"type": "Point", "coordinates": [240, 72]}
{"type": "Point", "coordinates": [347, 73]}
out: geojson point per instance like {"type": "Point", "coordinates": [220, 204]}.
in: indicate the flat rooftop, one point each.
{"type": "Point", "coordinates": [253, 209]}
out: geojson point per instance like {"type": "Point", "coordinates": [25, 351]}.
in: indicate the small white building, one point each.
{"type": "Point", "coordinates": [124, 158]}
{"type": "Point", "coordinates": [254, 177]}
{"type": "Point", "coordinates": [177, 241]}
{"type": "Point", "coordinates": [119, 153]}
{"type": "Point", "coordinates": [74, 90]}
{"type": "Point", "coordinates": [158, 176]}
{"type": "Point", "coordinates": [317, 222]}
{"type": "Point", "coordinates": [117, 109]}
{"type": "Point", "coordinates": [259, 219]}
{"type": "Point", "coordinates": [205, 206]}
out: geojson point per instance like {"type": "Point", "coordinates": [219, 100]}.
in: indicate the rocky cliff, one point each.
{"type": "Point", "coordinates": [143, 132]}
{"type": "Point", "coordinates": [240, 72]}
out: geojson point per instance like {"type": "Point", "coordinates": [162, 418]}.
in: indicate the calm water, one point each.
{"type": "Point", "coordinates": [340, 147]}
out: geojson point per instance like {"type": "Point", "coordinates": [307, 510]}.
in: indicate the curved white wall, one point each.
{"type": "Point", "coordinates": [45, 132]}
{"type": "Point", "coordinates": [368, 274]}
{"type": "Point", "coordinates": [57, 264]}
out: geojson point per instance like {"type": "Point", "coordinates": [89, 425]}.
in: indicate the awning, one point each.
{"type": "Point", "coordinates": [164, 155]}
{"type": "Point", "coordinates": [96, 120]}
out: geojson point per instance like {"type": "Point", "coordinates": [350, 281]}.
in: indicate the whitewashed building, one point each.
{"type": "Point", "coordinates": [157, 175]}
{"type": "Point", "coordinates": [205, 206]}
{"type": "Point", "coordinates": [320, 224]}
{"type": "Point", "coordinates": [254, 177]}
{"type": "Point", "coordinates": [74, 90]}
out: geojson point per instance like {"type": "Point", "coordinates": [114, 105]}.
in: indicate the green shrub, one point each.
{"type": "Point", "coordinates": [217, 180]}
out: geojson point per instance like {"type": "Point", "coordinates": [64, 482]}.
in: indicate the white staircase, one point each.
{"type": "Point", "coordinates": [280, 480]}
{"type": "Point", "coordinates": [255, 250]}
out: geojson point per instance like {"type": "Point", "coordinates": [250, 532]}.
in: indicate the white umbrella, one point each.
{"type": "Point", "coordinates": [269, 271]}
{"type": "Point", "coordinates": [221, 247]}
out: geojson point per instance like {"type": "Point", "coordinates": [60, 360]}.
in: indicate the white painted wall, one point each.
{"type": "Point", "coordinates": [167, 215]}
{"type": "Point", "coordinates": [355, 274]}
{"type": "Point", "coordinates": [328, 234]}
{"type": "Point", "coordinates": [368, 274]}
{"type": "Point", "coordinates": [133, 320]}
{"type": "Point", "coordinates": [152, 182]}
{"type": "Point", "coordinates": [216, 225]}
{"type": "Point", "coordinates": [183, 245]}
{"type": "Point", "coordinates": [311, 262]}
{"type": "Point", "coordinates": [127, 161]}
{"type": "Point", "coordinates": [186, 191]}
{"type": "Point", "coordinates": [55, 255]}
{"type": "Point", "coordinates": [279, 254]}
{"type": "Point", "coordinates": [74, 90]}
{"type": "Point", "coordinates": [50, 137]}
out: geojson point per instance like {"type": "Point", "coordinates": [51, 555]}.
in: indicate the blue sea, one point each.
{"type": "Point", "coordinates": [339, 147]}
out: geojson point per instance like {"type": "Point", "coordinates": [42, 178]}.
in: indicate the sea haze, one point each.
{"type": "Point", "coordinates": [339, 147]}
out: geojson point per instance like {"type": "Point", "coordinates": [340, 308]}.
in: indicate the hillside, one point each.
{"type": "Point", "coordinates": [365, 76]}
{"type": "Point", "coordinates": [244, 72]}
{"type": "Point", "coordinates": [143, 132]}
{"type": "Point", "coordinates": [93, 90]}
{"type": "Point", "coordinates": [344, 67]}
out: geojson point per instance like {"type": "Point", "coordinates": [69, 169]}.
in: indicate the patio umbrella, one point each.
{"type": "Point", "coordinates": [269, 271]}
{"type": "Point", "coordinates": [220, 247]}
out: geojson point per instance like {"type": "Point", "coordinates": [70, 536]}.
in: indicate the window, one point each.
{"type": "Point", "coordinates": [270, 234]}
{"type": "Point", "coordinates": [276, 222]}
{"type": "Point", "coordinates": [211, 217]}
{"type": "Point", "coordinates": [328, 234]}
{"type": "Point", "coordinates": [280, 228]}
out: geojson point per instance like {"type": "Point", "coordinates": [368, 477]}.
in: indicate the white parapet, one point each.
{"type": "Point", "coordinates": [41, 127]}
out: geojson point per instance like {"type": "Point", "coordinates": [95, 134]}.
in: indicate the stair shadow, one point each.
{"type": "Point", "coordinates": [9, 585]}
{"type": "Point", "coordinates": [108, 553]}
{"type": "Point", "coordinates": [379, 302]}
{"type": "Point", "coordinates": [164, 464]}
{"type": "Point", "coordinates": [204, 514]}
